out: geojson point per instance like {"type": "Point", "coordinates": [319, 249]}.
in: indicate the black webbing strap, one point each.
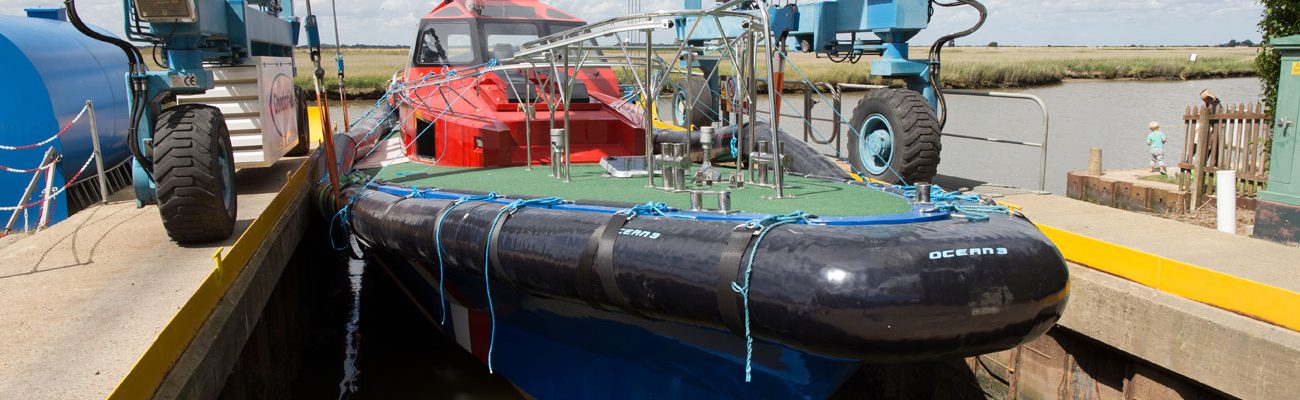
{"type": "Point", "coordinates": [494, 237]}
{"type": "Point", "coordinates": [587, 259]}
{"type": "Point", "coordinates": [729, 267]}
{"type": "Point", "coordinates": [605, 270]}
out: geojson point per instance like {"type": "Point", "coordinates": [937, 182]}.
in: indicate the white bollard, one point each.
{"type": "Point", "coordinates": [1227, 200]}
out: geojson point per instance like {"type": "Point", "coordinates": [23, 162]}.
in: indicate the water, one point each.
{"type": "Point", "coordinates": [1112, 115]}
{"type": "Point", "coordinates": [351, 335]}
{"type": "Point", "coordinates": [356, 335]}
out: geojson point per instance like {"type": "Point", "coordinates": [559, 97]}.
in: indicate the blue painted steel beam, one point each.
{"type": "Point", "coordinates": [820, 24]}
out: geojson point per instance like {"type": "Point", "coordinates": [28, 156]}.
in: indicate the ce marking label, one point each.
{"type": "Point", "coordinates": [185, 80]}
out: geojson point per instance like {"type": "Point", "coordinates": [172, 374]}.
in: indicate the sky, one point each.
{"type": "Point", "coordinates": [1010, 22]}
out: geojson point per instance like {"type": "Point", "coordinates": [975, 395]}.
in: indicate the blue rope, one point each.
{"type": "Point", "coordinates": [973, 213]}
{"type": "Point", "coordinates": [437, 240]}
{"type": "Point", "coordinates": [487, 260]}
{"type": "Point", "coordinates": [343, 218]}
{"type": "Point", "coordinates": [735, 153]}
{"type": "Point", "coordinates": [345, 214]}
{"type": "Point", "coordinates": [938, 195]}
{"type": "Point", "coordinates": [651, 208]}
{"type": "Point", "coordinates": [763, 226]}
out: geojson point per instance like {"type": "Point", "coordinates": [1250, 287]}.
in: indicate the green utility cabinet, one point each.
{"type": "Point", "coordinates": [1278, 212]}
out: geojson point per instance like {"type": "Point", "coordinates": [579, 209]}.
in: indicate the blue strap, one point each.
{"type": "Point", "coordinates": [763, 226]}
{"type": "Point", "coordinates": [487, 259]}
{"type": "Point", "coordinates": [437, 240]}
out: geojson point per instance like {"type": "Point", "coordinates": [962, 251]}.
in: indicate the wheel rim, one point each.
{"type": "Point", "coordinates": [227, 181]}
{"type": "Point", "coordinates": [876, 144]}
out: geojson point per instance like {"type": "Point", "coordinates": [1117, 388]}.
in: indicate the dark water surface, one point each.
{"type": "Point", "coordinates": [377, 345]}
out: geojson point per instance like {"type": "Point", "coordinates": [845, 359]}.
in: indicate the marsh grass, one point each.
{"type": "Point", "coordinates": [966, 67]}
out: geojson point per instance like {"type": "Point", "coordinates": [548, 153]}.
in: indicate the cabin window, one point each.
{"type": "Point", "coordinates": [557, 14]}
{"type": "Point", "coordinates": [444, 43]}
{"type": "Point", "coordinates": [504, 39]}
{"type": "Point", "coordinates": [508, 11]}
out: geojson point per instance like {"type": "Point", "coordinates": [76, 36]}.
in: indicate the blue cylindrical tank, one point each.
{"type": "Point", "coordinates": [51, 70]}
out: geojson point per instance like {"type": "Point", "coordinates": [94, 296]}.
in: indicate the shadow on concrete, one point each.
{"type": "Point", "coordinates": [267, 179]}
{"type": "Point", "coordinates": [74, 240]}
{"type": "Point", "coordinates": [956, 183]}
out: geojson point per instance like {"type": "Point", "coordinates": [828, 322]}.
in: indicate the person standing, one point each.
{"type": "Point", "coordinates": [1156, 142]}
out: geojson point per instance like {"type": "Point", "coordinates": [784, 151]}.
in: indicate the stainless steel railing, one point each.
{"type": "Point", "coordinates": [838, 122]}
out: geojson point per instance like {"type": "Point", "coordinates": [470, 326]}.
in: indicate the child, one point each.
{"type": "Point", "coordinates": [1156, 140]}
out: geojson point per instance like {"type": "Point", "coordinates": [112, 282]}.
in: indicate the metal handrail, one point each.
{"type": "Point", "coordinates": [1042, 166]}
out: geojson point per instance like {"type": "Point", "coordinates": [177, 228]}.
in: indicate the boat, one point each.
{"type": "Point", "coordinates": [557, 259]}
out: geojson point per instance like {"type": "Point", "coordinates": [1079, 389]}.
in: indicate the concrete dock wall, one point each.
{"type": "Point", "coordinates": [1123, 340]}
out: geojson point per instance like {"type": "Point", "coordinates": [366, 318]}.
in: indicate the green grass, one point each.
{"type": "Point", "coordinates": [368, 70]}
{"type": "Point", "coordinates": [814, 196]}
{"type": "Point", "coordinates": [1160, 178]}
{"type": "Point", "coordinates": [966, 67]}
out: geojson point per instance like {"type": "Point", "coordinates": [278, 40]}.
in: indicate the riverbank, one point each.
{"type": "Point", "coordinates": [965, 67]}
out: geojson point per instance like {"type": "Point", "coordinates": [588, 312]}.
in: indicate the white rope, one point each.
{"type": "Point", "coordinates": [56, 193]}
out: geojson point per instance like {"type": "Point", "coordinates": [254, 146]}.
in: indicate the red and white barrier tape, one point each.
{"type": "Point", "coordinates": [20, 171]}
{"type": "Point", "coordinates": [56, 194]}
{"type": "Point", "coordinates": [51, 139]}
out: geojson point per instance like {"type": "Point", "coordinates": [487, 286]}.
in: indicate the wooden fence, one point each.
{"type": "Point", "coordinates": [1237, 138]}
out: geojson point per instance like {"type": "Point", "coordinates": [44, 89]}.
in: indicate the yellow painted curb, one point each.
{"type": "Point", "coordinates": [1264, 302]}
{"type": "Point", "coordinates": [148, 373]}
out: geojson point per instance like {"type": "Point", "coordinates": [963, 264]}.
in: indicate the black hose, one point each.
{"type": "Point", "coordinates": [937, 48]}
{"type": "Point", "coordinates": [135, 65]}
{"type": "Point", "coordinates": [134, 58]}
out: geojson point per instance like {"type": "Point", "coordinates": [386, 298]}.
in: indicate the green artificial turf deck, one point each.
{"type": "Point", "coordinates": [817, 197]}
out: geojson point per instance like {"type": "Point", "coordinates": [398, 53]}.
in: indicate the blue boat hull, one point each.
{"type": "Point", "coordinates": [558, 349]}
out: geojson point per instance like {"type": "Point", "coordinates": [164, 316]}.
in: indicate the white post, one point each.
{"type": "Point", "coordinates": [1227, 200]}
{"type": "Point", "coordinates": [47, 211]}
{"type": "Point", "coordinates": [99, 155]}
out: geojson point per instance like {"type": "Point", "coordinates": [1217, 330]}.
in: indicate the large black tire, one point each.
{"type": "Point", "coordinates": [913, 137]}
{"type": "Point", "coordinates": [702, 112]}
{"type": "Point", "coordinates": [195, 171]}
{"type": "Point", "coordinates": [304, 126]}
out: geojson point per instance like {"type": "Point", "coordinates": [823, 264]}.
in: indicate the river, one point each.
{"type": "Point", "coordinates": [1112, 115]}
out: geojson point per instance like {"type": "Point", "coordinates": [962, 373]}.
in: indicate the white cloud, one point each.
{"type": "Point", "coordinates": [1028, 22]}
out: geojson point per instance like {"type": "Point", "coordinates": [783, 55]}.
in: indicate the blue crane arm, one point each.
{"type": "Point", "coordinates": [873, 27]}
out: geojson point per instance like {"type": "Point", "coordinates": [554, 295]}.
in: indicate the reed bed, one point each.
{"type": "Point", "coordinates": [966, 67]}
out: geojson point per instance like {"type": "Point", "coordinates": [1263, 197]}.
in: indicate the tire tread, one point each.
{"type": "Point", "coordinates": [187, 142]}
{"type": "Point", "coordinates": [917, 144]}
